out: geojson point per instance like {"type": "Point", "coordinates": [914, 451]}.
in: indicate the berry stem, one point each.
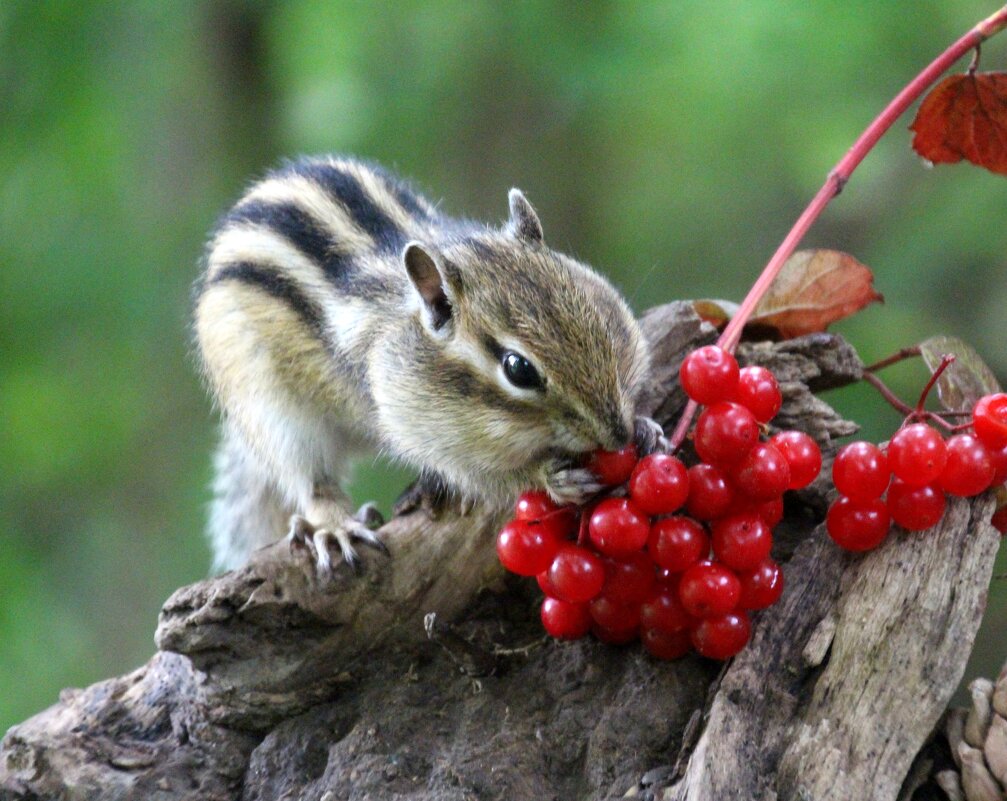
{"type": "Point", "coordinates": [837, 179]}
{"type": "Point", "coordinates": [893, 400]}
{"type": "Point", "coordinates": [946, 361]}
{"type": "Point", "coordinates": [895, 358]}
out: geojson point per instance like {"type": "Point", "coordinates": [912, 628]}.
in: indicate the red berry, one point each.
{"type": "Point", "coordinates": [759, 393]}
{"type": "Point", "coordinates": [762, 586]}
{"type": "Point", "coordinates": [618, 528]}
{"type": "Point", "coordinates": [665, 644]}
{"type": "Point", "coordinates": [999, 458]}
{"type": "Point", "coordinates": [802, 454]}
{"type": "Point", "coordinates": [989, 419]}
{"type": "Point", "coordinates": [630, 579]}
{"type": "Point", "coordinates": [564, 620]}
{"type": "Point", "coordinates": [709, 492]}
{"type": "Point", "coordinates": [614, 636]}
{"type": "Point", "coordinates": [725, 432]}
{"type": "Point", "coordinates": [763, 474]}
{"type": "Point", "coordinates": [613, 467]}
{"type": "Point", "coordinates": [576, 574]}
{"type": "Point", "coordinates": [723, 636]}
{"type": "Point", "coordinates": [917, 454]}
{"type": "Point", "coordinates": [709, 375]}
{"type": "Point", "coordinates": [857, 526]}
{"type": "Point", "coordinates": [663, 610]}
{"type": "Point", "coordinates": [707, 589]}
{"type": "Point", "coordinates": [741, 541]}
{"type": "Point", "coordinates": [770, 511]}
{"type": "Point", "coordinates": [969, 469]}
{"type": "Point", "coordinates": [860, 472]}
{"type": "Point", "coordinates": [999, 520]}
{"type": "Point", "coordinates": [659, 484]}
{"type": "Point", "coordinates": [915, 508]}
{"type": "Point", "coordinates": [526, 548]}
{"type": "Point", "coordinates": [534, 505]}
{"type": "Point", "coordinates": [677, 543]}
{"type": "Point", "coordinates": [609, 614]}
{"type": "Point", "coordinates": [545, 584]}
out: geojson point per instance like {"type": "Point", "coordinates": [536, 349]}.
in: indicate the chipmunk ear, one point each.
{"type": "Point", "coordinates": [524, 222]}
{"type": "Point", "coordinates": [428, 280]}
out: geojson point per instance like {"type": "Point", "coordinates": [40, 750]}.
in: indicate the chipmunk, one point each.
{"type": "Point", "coordinates": [341, 312]}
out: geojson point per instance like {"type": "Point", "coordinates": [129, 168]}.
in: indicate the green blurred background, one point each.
{"type": "Point", "coordinates": [670, 144]}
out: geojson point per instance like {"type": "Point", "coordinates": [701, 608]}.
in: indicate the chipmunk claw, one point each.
{"type": "Point", "coordinates": [320, 542]}
{"type": "Point", "coordinates": [648, 436]}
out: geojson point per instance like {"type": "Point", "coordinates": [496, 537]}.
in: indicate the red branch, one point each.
{"type": "Point", "coordinates": [838, 178]}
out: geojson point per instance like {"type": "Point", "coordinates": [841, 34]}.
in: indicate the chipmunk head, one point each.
{"type": "Point", "coordinates": [519, 354]}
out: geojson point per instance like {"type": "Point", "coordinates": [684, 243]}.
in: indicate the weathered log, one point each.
{"type": "Point", "coordinates": [268, 685]}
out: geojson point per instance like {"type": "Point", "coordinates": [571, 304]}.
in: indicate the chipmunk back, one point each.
{"type": "Point", "coordinates": [341, 312]}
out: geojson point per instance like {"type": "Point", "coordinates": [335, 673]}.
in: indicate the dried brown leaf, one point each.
{"type": "Point", "coordinates": [814, 289]}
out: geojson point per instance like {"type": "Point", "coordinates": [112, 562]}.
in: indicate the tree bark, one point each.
{"type": "Point", "coordinates": [428, 677]}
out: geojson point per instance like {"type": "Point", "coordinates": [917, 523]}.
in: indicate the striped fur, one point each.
{"type": "Point", "coordinates": [317, 345]}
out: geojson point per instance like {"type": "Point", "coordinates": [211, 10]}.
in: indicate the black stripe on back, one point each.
{"type": "Point", "coordinates": [403, 193]}
{"type": "Point", "coordinates": [289, 220]}
{"type": "Point", "coordinates": [346, 189]}
{"type": "Point", "coordinates": [277, 285]}
{"type": "Point", "coordinates": [302, 231]}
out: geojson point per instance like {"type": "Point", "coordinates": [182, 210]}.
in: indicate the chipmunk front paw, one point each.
{"type": "Point", "coordinates": [321, 540]}
{"type": "Point", "coordinates": [566, 484]}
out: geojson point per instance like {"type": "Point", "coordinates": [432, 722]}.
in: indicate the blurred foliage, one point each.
{"type": "Point", "coordinates": [670, 144]}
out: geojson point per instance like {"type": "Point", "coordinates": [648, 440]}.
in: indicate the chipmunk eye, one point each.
{"type": "Point", "coordinates": [520, 372]}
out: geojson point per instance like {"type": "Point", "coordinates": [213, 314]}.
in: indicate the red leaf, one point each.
{"type": "Point", "coordinates": [813, 290]}
{"type": "Point", "coordinates": [965, 116]}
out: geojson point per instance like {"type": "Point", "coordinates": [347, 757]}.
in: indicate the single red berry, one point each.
{"type": "Point", "coordinates": [762, 474]}
{"type": "Point", "coordinates": [663, 610]}
{"type": "Point", "coordinates": [915, 508]}
{"type": "Point", "coordinates": [564, 620]}
{"type": "Point", "coordinates": [707, 589]}
{"type": "Point", "coordinates": [989, 419]}
{"type": "Point", "coordinates": [709, 492]}
{"type": "Point", "coordinates": [917, 454]}
{"type": "Point", "coordinates": [613, 467]}
{"type": "Point", "coordinates": [969, 469]}
{"type": "Point", "coordinates": [677, 543]}
{"type": "Point", "coordinates": [860, 472]}
{"type": "Point", "coordinates": [857, 525]}
{"type": "Point", "coordinates": [802, 454]}
{"type": "Point", "coordinates": [618, 528]}
{"type": "Point", "coordinates": [709, 374]}
{"type": "Point", "coordinates": [614, 636]}
{"type": "Point", "coordinates": [612, 615]}
{"type": "Point", "coordinates": [659, 484]}
{"type": "Point", "coordinates": [545, 584]}
{"type": "Point", "coordinates": [759, 393]}
{"type": "Point", "coordinates": [666, 644]}
{"type": "Point", "coordinates": [723, 636]}
{"type": "Point", "coordinates": [762, 586]}
{"type": "Point", "coordinates": [725, 432]}
{"type": "Point", "coordinates": [999, 458]}
{"type": "Point", "coordinates": [534, 505]}
{"type": "Point", "coordinates": [576, 574]}
{"type": "Point", "coordinates": [999, 520]}
{"type": "Point", "coordinates": [526, 548]}
{"type": "Point", "coordinates": [630, 579]}
{"type": "Point", "coordinates": [741, 541]}
{"type": "Point", "coordinates": [770, 511]}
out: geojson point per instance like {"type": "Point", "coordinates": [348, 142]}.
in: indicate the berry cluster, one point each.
{"type": "Point", "coordinates": [915, 472]}
{"type": "Point", "coordinates": [675, 556]}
